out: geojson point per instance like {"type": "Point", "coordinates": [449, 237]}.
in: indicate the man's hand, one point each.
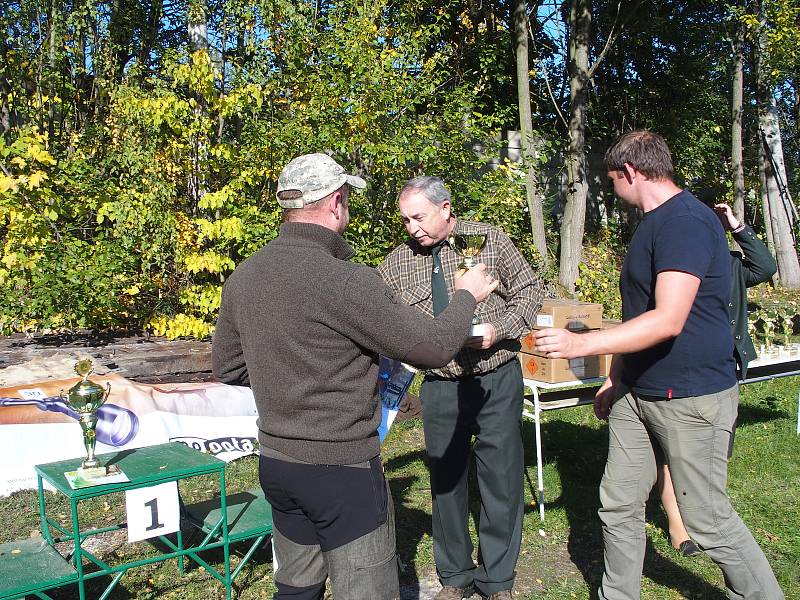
{"type": "Point", "coordinates": [559, 343]}
{"type": "Point", "coordinates": [725, 214]}
{"type": "Point", "coordinates": [477, 282]}
{"type": "Point", "coordinates": [483, 342]}
{"type": "Point", "coordinates": [603, 399]}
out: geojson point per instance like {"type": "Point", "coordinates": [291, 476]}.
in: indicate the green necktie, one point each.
{"type": "Point", "coordinates": [438, 284]}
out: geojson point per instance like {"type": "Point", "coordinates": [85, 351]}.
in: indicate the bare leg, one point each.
{"type": "Point", "coordinates": [677, 532]}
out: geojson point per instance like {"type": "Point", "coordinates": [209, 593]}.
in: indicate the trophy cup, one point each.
{"type": "Point", "coordinates": [85, 397]}
{"type": "Point", "coordinates": [468, 246]}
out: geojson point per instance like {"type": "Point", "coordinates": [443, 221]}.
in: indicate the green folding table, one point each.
{"type": "Point", "coordinates": [249, 518]}
{"type": "Point", "coordinates": [32, 566]}
{"type": "Point", "coordinates": [145, 467]}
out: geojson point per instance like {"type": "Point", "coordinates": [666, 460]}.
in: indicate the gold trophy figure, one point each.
{"type": "Point", "coordinates": [468, 246]}
{"type": "Point", "coordinates": [85, 397]}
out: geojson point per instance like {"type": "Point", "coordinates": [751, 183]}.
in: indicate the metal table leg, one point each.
{"type": "Point", "coordinates": [537, 415]}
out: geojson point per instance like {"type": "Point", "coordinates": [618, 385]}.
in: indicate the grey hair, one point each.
{"type": "Point", "coordinates": [432, 188]}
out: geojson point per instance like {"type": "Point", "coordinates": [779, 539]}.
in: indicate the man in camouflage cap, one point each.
{"type": "Point", "coordinates": [303, 327]}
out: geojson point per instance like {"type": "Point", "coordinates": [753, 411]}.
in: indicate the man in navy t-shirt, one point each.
{"type": "Point", "coordinates": [672, 387]}
{"type": "Point", "coordinates": [683, 236]}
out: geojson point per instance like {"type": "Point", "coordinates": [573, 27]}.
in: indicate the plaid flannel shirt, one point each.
{"type": "Point", "coordinates": [511, 308]}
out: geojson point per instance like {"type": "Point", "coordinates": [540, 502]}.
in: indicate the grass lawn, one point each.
{"type": "Point", "coordinates": [565, 562]}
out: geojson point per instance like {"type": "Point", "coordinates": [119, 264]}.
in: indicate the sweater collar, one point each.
{"type": "Point", "coordinates": [311, 233]}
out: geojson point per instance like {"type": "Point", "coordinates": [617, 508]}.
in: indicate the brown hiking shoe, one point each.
{"type": "Point", "coordinates": [501, 595]}
{"type": "Point", "coordinates": [449, 592]}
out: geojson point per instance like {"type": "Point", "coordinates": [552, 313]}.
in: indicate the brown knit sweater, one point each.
{"type": "Point", "coordinates": [303, 327]}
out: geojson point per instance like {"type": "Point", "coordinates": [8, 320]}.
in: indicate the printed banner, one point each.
{"type": "Point", "coordinates": [37, 427]}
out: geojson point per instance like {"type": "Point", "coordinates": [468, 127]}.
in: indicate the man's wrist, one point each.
{"type": "Point", "coordinates": [738, 229]}
{"type": "Point", "coordinates": [590, 342]}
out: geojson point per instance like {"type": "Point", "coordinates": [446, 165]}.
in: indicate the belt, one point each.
{"type": "Point", "coordinates": [433, 377]}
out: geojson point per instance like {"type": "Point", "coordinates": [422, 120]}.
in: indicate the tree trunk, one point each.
{"type": "Point", "coordinates": [736, 130]}
{"type": "Point", "coordinates": [124, 15]}
{"type": "Point", "coordinates": [51, 74]}
{"type": "Point", "coordinates": [5, 94]}
{"type": "Point", "coordinates": [532, 191]}
{"type": "Point", "coordinates": [774, 182]}
{"type": "Point", "coordinates": [197, 29]}
{"type": "Point", "coordinates": [580, 22]}
{"type": "Point", "coordinates": [197, 26]}
{"type": "Point", "coordinates": [762, 178]}
{"type": "Point", "coordinates": [80, 77]}
{"type": "Point", "coordinates": [149, 36]}
{"type": "Point", "coordinates": [781, 215]}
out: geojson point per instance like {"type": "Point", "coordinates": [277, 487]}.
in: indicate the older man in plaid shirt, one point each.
{"type": "Point", "coordinates": [479, 393]}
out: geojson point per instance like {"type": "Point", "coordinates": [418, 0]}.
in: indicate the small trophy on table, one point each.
{"type": "Point", "coordinates": [468, 246]}
{"type": "Point", "coordinates": [85, 397]}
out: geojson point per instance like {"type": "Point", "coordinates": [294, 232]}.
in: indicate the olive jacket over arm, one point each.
{"type": "Point", "coordinates": [303, 327]}
{"type": "Point", "coordinates": [756, 266]}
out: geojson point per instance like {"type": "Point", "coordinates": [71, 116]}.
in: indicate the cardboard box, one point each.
{"type": "Point", "coordinates": [528, 342]}
{"type": "Point", "coordinates": [605, 364]}
{"type": "Point", "coordinates": [569, 314]}
{"type": "Point", "coordinates": [528, 348]}
{"type": "Point", "coordinates": [605, 359]}
{"type": "Point", "coordinates": [557, 370]}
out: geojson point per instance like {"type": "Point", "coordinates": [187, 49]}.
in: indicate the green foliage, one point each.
{"type": "Point", "coordinates": [133, 215]}
{"type": "Point", "coordinates": [778, 21]}
{"type": "Point", "coordinates": [139, 174]}
{"type": "Point", "coordinates": [499, 198]}
{"type": "Point", "coordinates": [71, 256]}
{"type": "Point", "coordinates": [598, 278]}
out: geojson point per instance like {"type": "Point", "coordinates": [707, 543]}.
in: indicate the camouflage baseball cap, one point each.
{"type": "Point", "coordinates": [315, 176]}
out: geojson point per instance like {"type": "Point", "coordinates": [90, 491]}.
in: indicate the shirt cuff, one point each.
{"type": "Point", "coordinates": [739, 229]}
{"type": "Point", "coordinates": [500, 329]}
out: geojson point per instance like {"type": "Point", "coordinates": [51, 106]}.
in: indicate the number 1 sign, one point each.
{"type": "Point", "coordinates": [152, 511]}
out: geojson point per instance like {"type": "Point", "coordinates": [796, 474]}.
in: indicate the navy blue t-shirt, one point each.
{"type": "Point", "coordinates": [684, 235]}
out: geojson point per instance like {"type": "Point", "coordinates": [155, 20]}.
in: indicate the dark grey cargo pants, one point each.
{"type": "Point", "coordinates": [331, 521]}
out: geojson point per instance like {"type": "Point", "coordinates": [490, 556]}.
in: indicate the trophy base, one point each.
{"type": "Point", "coordinates": [93, 472]}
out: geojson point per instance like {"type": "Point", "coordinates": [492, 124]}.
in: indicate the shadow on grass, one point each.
{"type": "Point", "coordinates": [579, 454]}
{"type": "Point", "coordinates": [766, 410]}
{"type": "Point", "coordinates": [97, 586]}
{"type": "Point", "coordinates": [411, 524]}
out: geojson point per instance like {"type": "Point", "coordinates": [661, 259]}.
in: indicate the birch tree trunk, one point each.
{"type": "Point", "coordinates": [572, 225]}
{"type": "Point", "coordinates": [762, 177]}
{"type": "Point", "coordinates": [197, 26]}
{"type": "Point", "coordinates": [781, 215]}
{"type": "Point", "coordinates": [532, 191]}
{"type": "Point", "coordinates": [197, 29]}
{"type": "Point", "coordinates": [51, 62]}
{"type": "Point", "coordinates": [736, 128]}
{"type": "Point", "coordinates": [774, 183]}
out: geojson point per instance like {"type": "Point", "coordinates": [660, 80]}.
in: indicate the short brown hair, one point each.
{"type": "Point", "coordinates": [289, 194]}
{"type": "Point", "coordinates": [290, 214]}
{"type": "Point", "coordinates": [645, 150]}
